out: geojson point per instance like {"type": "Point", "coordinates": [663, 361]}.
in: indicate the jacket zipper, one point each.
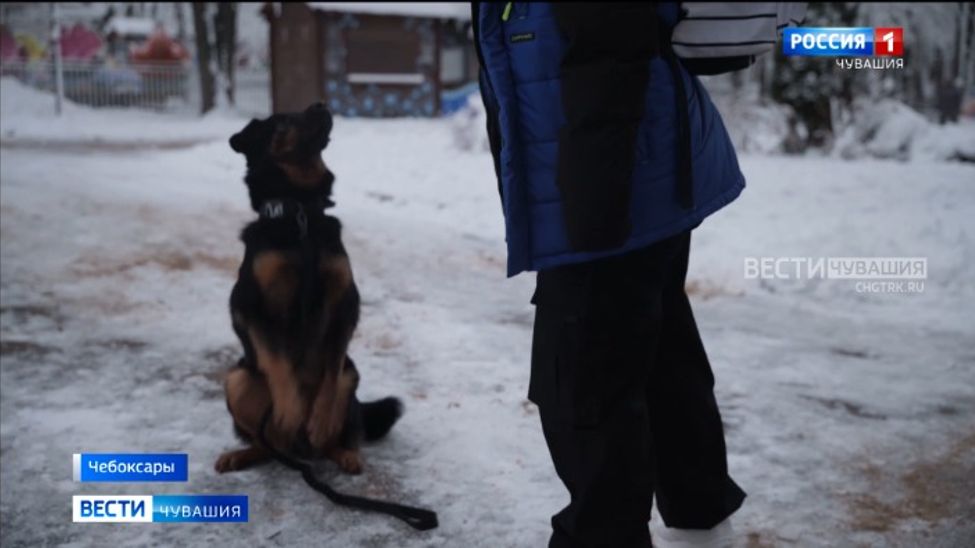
{"type": "Point", "coordinates": [507, 11]}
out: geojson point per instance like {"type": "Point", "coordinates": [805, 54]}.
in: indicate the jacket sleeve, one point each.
{"type": "Point", "coordinates": [604, 76]}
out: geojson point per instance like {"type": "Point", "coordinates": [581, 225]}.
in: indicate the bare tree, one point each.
{"type": "Point", "coordinates": [966, 44]}
{"type": "Point", "coordinates": [180, 23]}
{"type": "Point", "coordinates": [225, 30]}
{"type": "Point", "coordinates": [207, 83]}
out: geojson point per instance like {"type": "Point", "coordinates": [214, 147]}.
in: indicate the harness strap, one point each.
{"type": "Point", "coordinates": [417, 518]}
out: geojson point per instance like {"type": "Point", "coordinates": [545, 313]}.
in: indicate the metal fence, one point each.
{"type": "Point", "coordinates": [154, 86]}
{"type": "Point", "coordinates": [163, 87]}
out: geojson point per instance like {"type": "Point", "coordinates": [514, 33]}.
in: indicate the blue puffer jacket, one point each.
{"type": "Point", "coordinates": [521, 88]}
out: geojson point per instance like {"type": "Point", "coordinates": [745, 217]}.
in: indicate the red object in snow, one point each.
{"type": "Point", "coordinates": [9, 51]}
{"type": "Point", "coordinates": [159, 48]}
{"type": "Point", "coordinates": [79, 43]}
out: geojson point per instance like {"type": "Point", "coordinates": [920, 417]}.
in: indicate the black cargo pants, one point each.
{"type": "Point", "coordinates": [625, 394]}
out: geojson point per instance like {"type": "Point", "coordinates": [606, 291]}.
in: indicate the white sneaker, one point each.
{"type": "Point", "coordinates": [719, 536]}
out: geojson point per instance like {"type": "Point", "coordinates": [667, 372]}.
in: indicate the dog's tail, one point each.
{"type": "Point", "coordinates": [379, 416]}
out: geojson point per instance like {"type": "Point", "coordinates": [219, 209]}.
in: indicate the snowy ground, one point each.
{"type": "Point", "coordinates": [849, 416]}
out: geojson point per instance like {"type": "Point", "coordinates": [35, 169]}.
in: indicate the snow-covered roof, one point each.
{"type": "Point", "coordinates": [439, 10]}
{"type": "Point", "coordinates": [131, 25]}
{"type": "Point", "coordinates": [86, 12]}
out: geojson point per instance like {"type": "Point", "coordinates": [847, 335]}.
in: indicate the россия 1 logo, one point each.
{"type": "Point", "coordinates": [858, 42]}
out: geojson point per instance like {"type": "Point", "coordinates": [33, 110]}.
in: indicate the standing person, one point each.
{"type": "Point", "coordinates": [608, 153]}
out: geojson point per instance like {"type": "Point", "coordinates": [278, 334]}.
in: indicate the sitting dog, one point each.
{"type": "Point", "coordinates": [295, 307]}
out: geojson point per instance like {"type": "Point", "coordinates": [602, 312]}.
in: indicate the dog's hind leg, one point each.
{"type": "Point", "coordinates": [248, 399]}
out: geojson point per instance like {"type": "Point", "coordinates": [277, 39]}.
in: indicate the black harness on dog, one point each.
{"type": "Point", "coordinates": [417, 518]}
{"type": "Point", "coordinates": [278, 209]}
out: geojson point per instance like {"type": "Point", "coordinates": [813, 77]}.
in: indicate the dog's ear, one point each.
{"type": "Point", "coordinates": [248, 138]}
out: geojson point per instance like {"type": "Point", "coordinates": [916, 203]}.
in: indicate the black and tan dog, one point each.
{"type": "Point", "coordinates": [295, 306]}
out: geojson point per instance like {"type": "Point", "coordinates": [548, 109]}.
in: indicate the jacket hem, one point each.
{"type": "Point", "coordinates": [660, 233]}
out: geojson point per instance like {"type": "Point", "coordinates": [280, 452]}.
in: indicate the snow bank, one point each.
{"type": "Point", "coordinates": [469, 126]}
{"type": "Point", "coordinates": [27, 114]}
{"type": "Point", "coordinates": [950, 142]}
{"type": "Point", "coordinates": [884, 129]}
{"type": "Point", "coordinates": [890, 129]}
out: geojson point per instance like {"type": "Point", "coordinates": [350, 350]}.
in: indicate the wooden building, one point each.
{"type": "Point", "coordinates": [376, 59]}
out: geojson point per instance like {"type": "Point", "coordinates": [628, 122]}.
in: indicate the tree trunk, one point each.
{"type": "Point", "coordinates": [207, 91]}
{"type": "Point", "coordinates": [737, 78]}
{"type": "Point", "coordinates": [761, 76]}
{"type": "Point", "coordinates": [225, 28]}
{"type": "Point", "coordinates": [180, 23]}
{"type": "Point", "coordinates": [964, 49]}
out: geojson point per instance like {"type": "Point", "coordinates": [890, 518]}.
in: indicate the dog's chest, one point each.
{"type": "Point", "coordinates": [281, 275]}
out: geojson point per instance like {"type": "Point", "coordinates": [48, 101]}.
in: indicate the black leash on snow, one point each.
{"type": "Point", "coordinates": [417, 518]}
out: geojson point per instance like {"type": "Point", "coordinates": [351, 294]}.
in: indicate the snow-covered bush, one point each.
{"type": "Point", "coordinates": [890, 129]}
{"type": "Point", "coordinates": [469, 125]}
{"type": "Point", "coordinates": [882, 129]}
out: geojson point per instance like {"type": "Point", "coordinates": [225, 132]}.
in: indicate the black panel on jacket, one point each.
{"type": "Point", "coordinates": [604, 77]}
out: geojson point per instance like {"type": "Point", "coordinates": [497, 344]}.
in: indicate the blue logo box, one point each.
{"type": "Point", "coordinates": [159, 508]}
{"type": "Point", "coordinates": [199, 508]}
{"type": "Point", "coordinates": [828, 41]}
{"type": "Point", "coordinates": [130, 467]}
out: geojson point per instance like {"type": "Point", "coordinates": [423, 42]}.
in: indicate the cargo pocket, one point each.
{"type": "Point", "coordinates": [578, 369]}
{"type": "Point", "coordinates": [567, 350]}
{"type": "Point", "coordinates": [543, 382]}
